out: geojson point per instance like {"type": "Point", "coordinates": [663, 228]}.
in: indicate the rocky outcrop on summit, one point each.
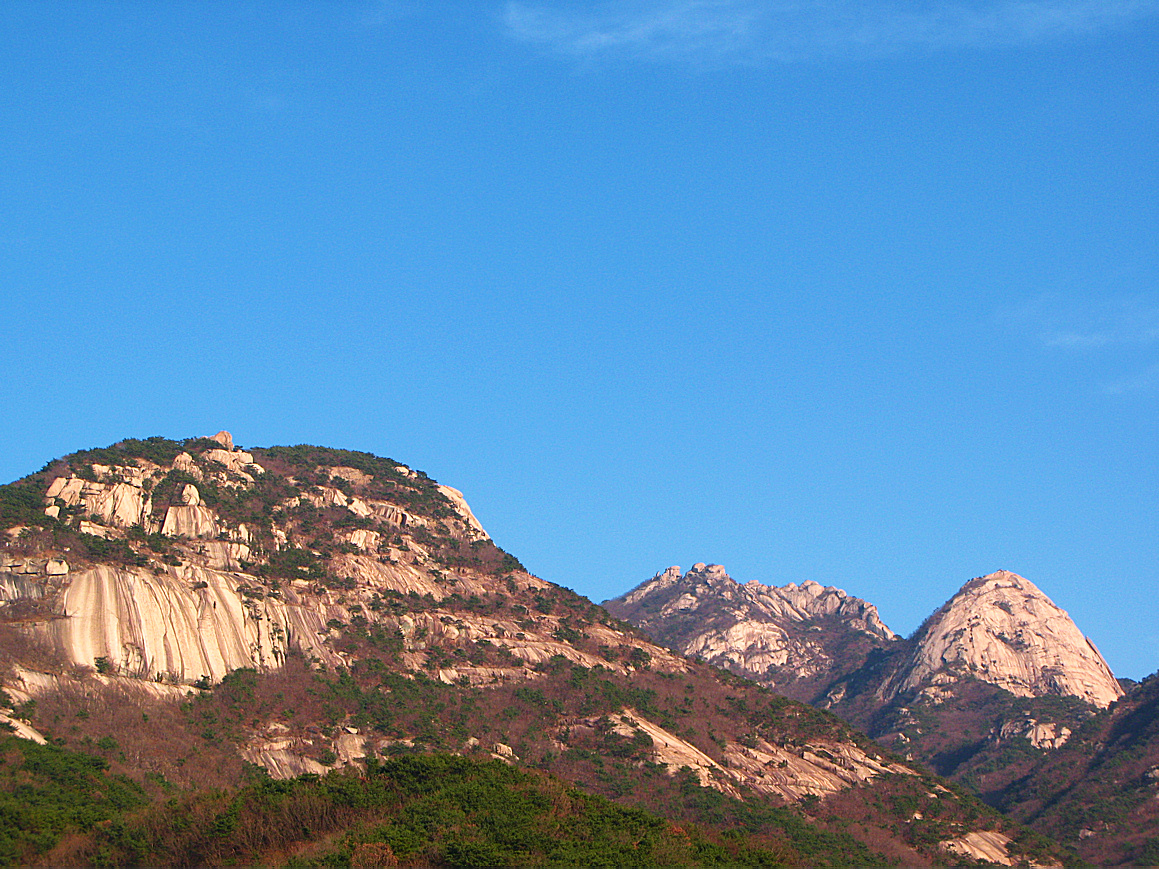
{"type": "Point", "coordinates": [1001, 629]}
{"type": "Point", "coordinates": [996, 677]}
{"type": "Point", "coordinates": [794, 638]}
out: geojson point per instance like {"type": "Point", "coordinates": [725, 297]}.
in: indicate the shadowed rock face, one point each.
{"type": "Point", "coordinates": [1003, 630]}
{"type": "Point", "coordinates": [794, 638]}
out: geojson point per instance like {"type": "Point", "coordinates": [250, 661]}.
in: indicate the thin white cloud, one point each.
{"type": "Point", "coordinates": [1120, 322]}
{"type": "Point", "coordinates": [755, 30]}
{"type": "Point", "coordinates": [691, 26]}
{"type": "Point", "coordinates": [1144, 382]}
{"type": "Point", "coordinates": [1069, 340]}
{"type": "Point", "coordinates": [1120, 332]}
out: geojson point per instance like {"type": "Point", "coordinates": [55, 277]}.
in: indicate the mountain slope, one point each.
{"type": "Point", "coordinates": [188, 608]}
{"type": "Point", "coordinates": [1100, 792]}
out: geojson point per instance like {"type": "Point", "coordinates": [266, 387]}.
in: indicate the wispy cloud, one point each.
{"type": "Point", "coordinates": [673, 28]}
{"type": "Point", "coordinates": [1103, 334]}
{"type": "Point", "coordinates": [1143, 382]}
{"type": "Point", "coordinates": [756, 30]}
{"type": "Point", "coordinates": [1092, 326]}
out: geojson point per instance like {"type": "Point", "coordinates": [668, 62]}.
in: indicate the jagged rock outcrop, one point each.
{"type": "Point", "coordinates": [794, 637]}
{"type": "Point", "coordinates": [456, 497]}
{"type": "Point", "coordinates": [1003, 630]}
{"type": "Point", "coordinates": [122, 503]}
{"type": "Point", "coordinates": [1040, 735]}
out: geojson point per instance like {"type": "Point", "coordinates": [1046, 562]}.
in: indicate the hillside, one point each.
{"type": "Point", "coordinates": [1100, 792]}
{"type": "Point", "coordinates": [195, 615]}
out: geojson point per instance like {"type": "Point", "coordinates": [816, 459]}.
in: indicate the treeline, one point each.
{"type": "Point", "coordinates": [63, 808]}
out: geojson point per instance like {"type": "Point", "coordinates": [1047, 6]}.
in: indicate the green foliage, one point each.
{"type": "Point", "coordinates": [811, 845]}
{"type": "Point", "coordinates": [112, 550]}
{"type": "Point", "coordinates": [237, 686]}
{"type": "Point", "coordinates": [457, 812]}
{"type": "Point", "coordinates": [566, 634]}
{"type": "Point", "coordinates": [46, 791]}
{"type": "Point", "coordinates": [639, 658]}
{"type": "Point", "coordinates": [422, 810]}
{"type": "Point", "coordinates": [158, 450]}
{"type": "Point", "coordinates": [509, 563]}
{"type": "Point", "coordinates": [293, 563]}
{"type": "Point", "coordinates": [22, 503]}
{"type": "Point", "coordinates": [168, 491]}
{"type": "Point", "coordinates": [415, 492]}
{"type": "Point", "coordinates": [1148, 853]}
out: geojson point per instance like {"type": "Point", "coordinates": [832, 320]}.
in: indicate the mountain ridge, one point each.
{"type": "Point", "coordinates": [756, 630]}
{"type": "Point", "coordinates": [999, 628]}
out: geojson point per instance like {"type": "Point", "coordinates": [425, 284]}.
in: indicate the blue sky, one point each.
{"type": "Point", "coordinates": [860, 292]}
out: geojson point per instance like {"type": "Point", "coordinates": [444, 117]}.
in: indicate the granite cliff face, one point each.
{"type": "Point", "coordinates": [1002, 630]}
{"type": "Point", "coordinates": [792, 638]}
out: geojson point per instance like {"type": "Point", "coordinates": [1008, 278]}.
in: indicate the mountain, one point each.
{"type": "Point", "coordinates": [1003, 630]}
{"type": "Point", "coordinates": [991, 681]}
{"type": "Point", "coordinates": [994, 678]}
{"type": "Point", "coordinates": [190, 618]}
{"type": "Point", "coordinates": [796, 639]}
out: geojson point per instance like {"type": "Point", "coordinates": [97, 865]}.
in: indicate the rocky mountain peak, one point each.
{"type": "Point", "coordinates": [793, 636]}
{"type": "Point", "coordinates": [1003, 630]}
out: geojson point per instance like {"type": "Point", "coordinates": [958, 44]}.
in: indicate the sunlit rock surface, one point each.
{"type": "Point", "coordinates": [1001, 629]}
{"type": "Point", "coordinates": [181, 626]}
{"type": "Point", "coordinates": [775, 635]}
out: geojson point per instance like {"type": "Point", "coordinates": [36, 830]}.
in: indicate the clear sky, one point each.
{"type": "Point", "coordinates": [856, 291]}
